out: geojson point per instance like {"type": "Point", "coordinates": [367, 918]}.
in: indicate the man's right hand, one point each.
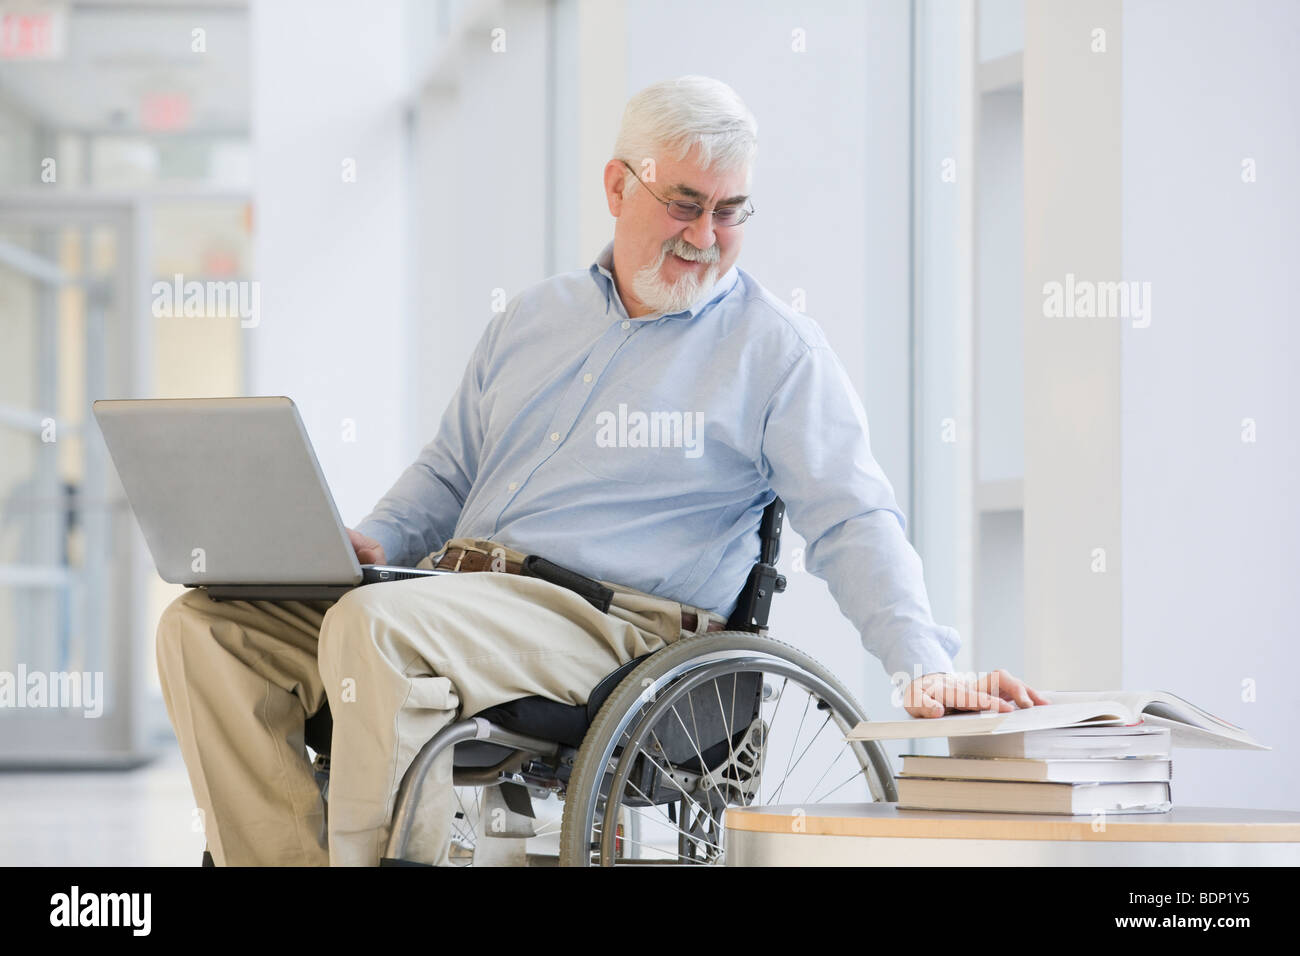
{"type": "Point", "coordinates": [369, 551]}
{"type": "Point", "coordinates": [933, 695]}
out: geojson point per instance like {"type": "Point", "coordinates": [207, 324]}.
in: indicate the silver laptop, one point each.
{"type": "Point", "coordinates": [230, 497]}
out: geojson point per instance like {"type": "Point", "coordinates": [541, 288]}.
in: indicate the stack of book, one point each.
{"type": "Point", "coordinates": [1084, 753]}
{"type": "Point", "coordinates": [1124, 769]}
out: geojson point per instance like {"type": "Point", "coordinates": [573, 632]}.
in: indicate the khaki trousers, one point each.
{"type": "Point", "coordinates": [397, 662]}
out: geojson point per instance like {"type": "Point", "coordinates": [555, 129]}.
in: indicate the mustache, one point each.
{"type": "Point", "coordinates": [684, 249]}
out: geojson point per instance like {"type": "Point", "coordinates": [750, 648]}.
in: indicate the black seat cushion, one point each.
{"type": "Point", "coordinates": [552, 720]}
{"type": "Point", "coordinates": [533, 716]}
{"type": "Point", "coordinates": [541, 717]}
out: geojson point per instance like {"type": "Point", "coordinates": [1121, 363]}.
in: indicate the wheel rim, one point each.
{"type": "Point", "coordinates": [750, 751]}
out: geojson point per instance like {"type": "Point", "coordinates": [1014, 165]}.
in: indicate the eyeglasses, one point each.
{"type": "Point", "coordinates": [690, 211]}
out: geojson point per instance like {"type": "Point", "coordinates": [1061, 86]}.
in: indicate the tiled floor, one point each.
{"type": "Point", "coordinates": [139, 817]}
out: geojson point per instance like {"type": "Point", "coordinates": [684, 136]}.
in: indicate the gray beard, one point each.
{"type": "Point", "coordinates": [662, 296]}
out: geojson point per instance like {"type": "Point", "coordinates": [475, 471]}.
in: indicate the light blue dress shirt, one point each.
{"type": "Point", "coordinates": [643, 451]}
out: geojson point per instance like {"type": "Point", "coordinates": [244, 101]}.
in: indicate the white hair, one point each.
{"type": "Point", "coordinates": [683, 113]}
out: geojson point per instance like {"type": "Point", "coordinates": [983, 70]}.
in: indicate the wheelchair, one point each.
{"type": "Point", "coordinates": [665, 743]}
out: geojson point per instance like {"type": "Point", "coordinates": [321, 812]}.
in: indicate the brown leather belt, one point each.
{"type": "Point", "coordinates": [462, 559]}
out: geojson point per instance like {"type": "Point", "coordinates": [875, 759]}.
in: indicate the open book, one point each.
{"type": "Point", "coordinates": [1189, 726]}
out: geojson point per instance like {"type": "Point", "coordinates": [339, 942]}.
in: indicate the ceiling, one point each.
{"type": "Point", "coordinates": [120, 57]}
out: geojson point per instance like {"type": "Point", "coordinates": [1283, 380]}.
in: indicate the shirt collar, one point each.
{"type": "Point", "coordinates": [604, 279]}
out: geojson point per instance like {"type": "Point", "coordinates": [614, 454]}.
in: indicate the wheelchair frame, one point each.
{"type": "Point", "coordinates": [491, 749]}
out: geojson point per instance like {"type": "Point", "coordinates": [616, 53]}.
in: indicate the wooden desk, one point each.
{"type": "Point", "coordinates": [880, 834]}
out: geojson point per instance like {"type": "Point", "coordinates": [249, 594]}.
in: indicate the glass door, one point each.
{"type": "Point", "coordinates": [69, 670]}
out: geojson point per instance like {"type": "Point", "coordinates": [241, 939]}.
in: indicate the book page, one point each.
{"type": "Point", "coordinates": [1160, 703]}
{"type": "Point", "coordinates": [1183, 735]}
{"type": "Point", "coordinates": [1165, 704]}
{"type": "Point", "coordinates": [1132, 701]}
{"type": "Point", "coordinates": [1040, 717]}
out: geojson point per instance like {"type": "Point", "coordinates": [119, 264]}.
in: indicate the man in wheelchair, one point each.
{"type": "Point", "coordinates": [631, 423]}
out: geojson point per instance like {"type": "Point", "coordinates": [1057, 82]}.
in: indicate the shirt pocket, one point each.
{"type": "Point", "coordinates": [635, 436]}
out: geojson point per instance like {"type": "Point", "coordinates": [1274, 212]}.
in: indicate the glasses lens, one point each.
{"type": "Point", "coordinates": [731, 216]}
{"type": "Point", "coordinates": [685, 211]}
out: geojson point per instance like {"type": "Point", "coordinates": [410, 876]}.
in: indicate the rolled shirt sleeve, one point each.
{"type": "Point", "coordinates": [419, 512]}
{"type": "Point", "coordinates": [817, 457]}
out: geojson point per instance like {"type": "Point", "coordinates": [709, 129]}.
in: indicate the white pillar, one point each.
{"type": "Point", "coordinates": [328, 224]}
{"type": "Point", "coordinates": [1072, 365]}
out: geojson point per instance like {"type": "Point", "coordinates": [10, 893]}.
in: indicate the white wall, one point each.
{"type": "Point", "coordinates": [999, 287]}
{"type": "Point", "coordinates": [1072, 493]}
{"type": "Point", "coordinates": [479, 197]}
{"type": "Point", "coordinates": [600, 91]}
{"type": "Point", "coordinates": [943, 210]}
{"type": "Point", "coordinates": [1211, 523]}
{"type": "Point", "coordinates": [327, 85]}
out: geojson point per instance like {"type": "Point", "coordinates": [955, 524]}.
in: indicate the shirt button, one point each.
{"type": "Point", "coordinates": [514, 485]}
{"type": "Point", "coordinates": [555, 436]}
{"type": "Point", "coordinates": [627, 325]}
{"type": "Point", "coordinates": [587, 377]}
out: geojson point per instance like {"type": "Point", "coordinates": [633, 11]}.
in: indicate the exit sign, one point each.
{"type": "Point", "coordinates": [32, 34]}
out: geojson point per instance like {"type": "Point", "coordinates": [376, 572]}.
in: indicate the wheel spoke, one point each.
{"type": "Point", "coordinates": [771, 722]}
{"type": "Point", "coordinates": [802, 753]}
{"type": "Point", "coordinates": [657, 849]}
{"type": "Point", "coordinates": [463, 825]}
{"type": "Point", "coordinates": [703, 768]}
{"type": "Point", "coordinates": [786, 775]}
{"type": "Point", "coordinates": [850, 779]}
{"type": "Point", "coordinates": [671, 779]}
{"type": "Point", "coordinates": [690, 699]}
{"type": "Point", "coordinates": [652, 803]}
{"type": "Point", "coordinates": [731, 753]}
{"type": "Point", "coordinates": [829, 767]}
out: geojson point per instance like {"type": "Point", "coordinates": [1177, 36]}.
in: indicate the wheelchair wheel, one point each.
{"type": "Point", "coordinates": [723, 719]}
